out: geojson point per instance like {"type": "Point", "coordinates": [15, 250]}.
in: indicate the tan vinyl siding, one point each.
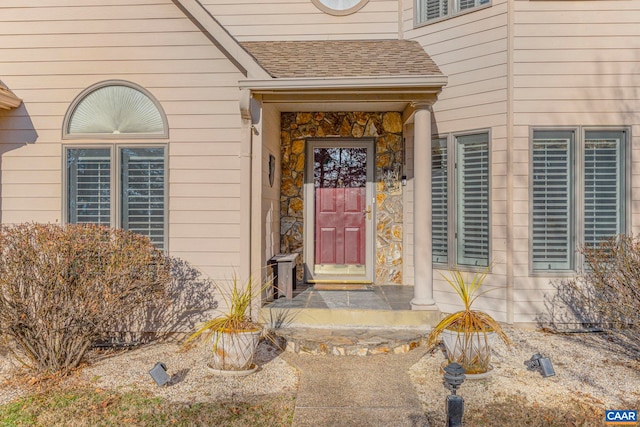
{"type": "Point", "coordinates": [575, 64]}
{"type": "Point", "coordinates": [471, 50]}
{"type": "Point", "coordinates": [301, 20]}
{"type": "Point", "coordinates": [50, 53]}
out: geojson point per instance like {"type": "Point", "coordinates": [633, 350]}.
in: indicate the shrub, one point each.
{"type": "Point", "coordinates": [62, 288]}
{"type": "Point", "coordinates": [612, 275]}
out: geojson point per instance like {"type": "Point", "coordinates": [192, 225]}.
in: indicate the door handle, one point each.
{"type": "Point", "coordinates": [367, 212]}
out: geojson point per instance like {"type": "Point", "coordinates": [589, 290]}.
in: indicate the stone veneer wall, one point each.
{"type": "Point", "coordinates": [386, 129]}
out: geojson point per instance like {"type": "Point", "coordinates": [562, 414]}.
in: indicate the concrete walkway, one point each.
{"type": "Point", "coordinates": [357, 391]}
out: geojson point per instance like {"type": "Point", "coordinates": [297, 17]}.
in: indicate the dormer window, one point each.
{"type": "Point", "coordinates": [431, 10]}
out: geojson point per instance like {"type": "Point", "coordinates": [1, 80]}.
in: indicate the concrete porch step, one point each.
{"type": "Point", "coordinates": [279, 316]}
{"type": "Point", "coordinates": [349, 341]}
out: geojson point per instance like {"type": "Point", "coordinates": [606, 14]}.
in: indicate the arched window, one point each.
{"type": "Point", "coordinates": [115, 109]}
{"type": "Point", "coordinates": [110, 181]}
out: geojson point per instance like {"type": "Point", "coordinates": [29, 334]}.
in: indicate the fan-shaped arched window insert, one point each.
{"type": "Point", "coordinates": [115, 109]}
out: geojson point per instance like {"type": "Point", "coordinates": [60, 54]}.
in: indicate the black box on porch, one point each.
{"type": "Point", "coordinates": [284, 274]}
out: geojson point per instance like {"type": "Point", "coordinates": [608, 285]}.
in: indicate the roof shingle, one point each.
{"type": "Point", "coordinates": [342, 58]}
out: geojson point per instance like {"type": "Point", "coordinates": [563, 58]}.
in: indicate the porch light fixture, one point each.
{"type": "Point", "coordinates": [454, 376]}
{"type": "Point", "coordinates": [159, 374]}
{"type": "Point", "coordinates": [540, 364]}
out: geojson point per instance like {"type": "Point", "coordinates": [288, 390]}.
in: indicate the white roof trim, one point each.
{"type": "Point", "coordinates": [221, 38]}
{"type": "Point", "coordinates": [354, 83]}
{"type": "Point", "coordinates": [7, 99]}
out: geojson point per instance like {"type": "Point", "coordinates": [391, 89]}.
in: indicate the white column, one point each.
{"type": "Point", "coordinates": [422, 249]}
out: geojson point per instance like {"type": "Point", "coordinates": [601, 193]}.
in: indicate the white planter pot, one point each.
{"type": "Point", "coordinates": [234, 351]}
{"type": "Point", "coordinates": [472, 351]}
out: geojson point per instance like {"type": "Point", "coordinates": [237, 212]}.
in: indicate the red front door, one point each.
{"type": "Point", "coordinates": [340, 225]}
{"type": "Point", "coordinates": [340, 179]}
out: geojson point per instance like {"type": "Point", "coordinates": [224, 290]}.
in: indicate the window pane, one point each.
{"type": "Point", "coordinates": [473, 200]}
{"type": "Point", "coordinates": [439, 200]}
{"type": "Point", "coordinates": [552, 196]}
{"type": "Point", "coordinates": [143, 192]}
{"type": "Point", "coordinates": [431, 9]}
{"type": "Point", "coordinates": [116, 110]}
{"type": "Point", "coordinates": [603, 186]}
{"type": "Point", "coordinates": [89, 186]}
{"type": "Point", "coordinates": [468, 4]}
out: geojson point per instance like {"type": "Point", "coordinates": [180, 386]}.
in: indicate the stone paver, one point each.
{"type": "Point", "coordinates": [356, 391]}
{"type": "Point", "coordinates": [350, 342]}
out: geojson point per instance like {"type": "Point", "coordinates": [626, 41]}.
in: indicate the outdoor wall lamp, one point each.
{"type": "Point", "coordinates": [453, 378]}
{"type": "Point", "coordinates": [159, 373]}
{"type": "Point", "coordinates": [540, 364]}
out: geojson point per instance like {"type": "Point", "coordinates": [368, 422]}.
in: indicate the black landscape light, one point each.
{"type": "Point", "coordinates": [453, 378]}
{"type": "Point", "coordinates": [540, 364]}
{"type": "Point", "coordinates": [159, 373]}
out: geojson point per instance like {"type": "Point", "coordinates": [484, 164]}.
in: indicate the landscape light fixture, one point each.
{"type": "Point", "coordinates": [453, 378]}
{"type": "Point", "coordinates": [159, 374]}
{"type": "Point", "coordinates": [540, 364]}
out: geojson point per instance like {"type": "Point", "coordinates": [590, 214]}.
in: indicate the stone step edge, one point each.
{"type": "Point", "coordinates": [330, 342]}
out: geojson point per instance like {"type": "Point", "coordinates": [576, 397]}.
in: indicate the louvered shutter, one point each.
{"type": "Point", "coordinates": [472, 158]}
{"type": "Point", "coordinates": [143, 192]}
{"type": "Point", "coordinates": [603, 185]}
{"type": "Point", "coordinates": [431, 9]}
{"type": "Point", "coordinates": [552, 200]}
{"type": "Point", "coordinates": [89, 186]}
{"type": "Point", "coordinates": [468, 4]}
{"type": "Point", "coordinates": [439, 200]}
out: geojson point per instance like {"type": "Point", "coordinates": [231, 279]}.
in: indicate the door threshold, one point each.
{"type": "Point", "coordinates": [342, 287]}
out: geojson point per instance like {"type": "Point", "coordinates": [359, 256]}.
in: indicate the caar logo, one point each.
{"type": "Point", "coordinates": [620, 418]}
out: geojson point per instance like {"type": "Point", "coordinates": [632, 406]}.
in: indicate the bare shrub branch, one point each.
{"type": "Point", "coordinates": [64, 287]}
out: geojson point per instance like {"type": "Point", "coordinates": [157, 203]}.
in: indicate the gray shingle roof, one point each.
{"type": "Point", "coordinates": [342, 58]}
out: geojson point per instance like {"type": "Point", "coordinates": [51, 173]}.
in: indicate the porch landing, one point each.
{"type": "Point", "coordinates": [343, 323]}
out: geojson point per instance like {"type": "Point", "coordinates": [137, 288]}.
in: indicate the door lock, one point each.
{"type": "Point", "coordinates": [367, 212]}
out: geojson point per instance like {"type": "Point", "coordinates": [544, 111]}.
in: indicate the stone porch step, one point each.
{"type": "Point", "coordinates": [349, 341]}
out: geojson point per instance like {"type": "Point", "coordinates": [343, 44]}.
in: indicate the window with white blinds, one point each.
{"type": "Point", "coordinates": [603, 185]}
{"type": "Point", "coordinates": [428, 10]}
{"type": "Point", "coordinates": [432, 9]}
{"type": "Point", "coordinates": [472, 185]}
{"type": "Point", "coordinates": [89, 186]}
{"type": "Point", "coordinates": [141, 176]}
{"type": "Point", "coordinates": [439, 201]}
{"type": "Point", "coordinates": [142, 183]}
{"type": "Point", "coordinates": [569, 166]}
{"type": "Point", "coordinates": [552, 196]}
{"type": "Point", "coordinates": [469, 4]}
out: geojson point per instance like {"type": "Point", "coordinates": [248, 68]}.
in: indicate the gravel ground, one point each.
{"type": "Point", "coordinates": [191, 380]}
{"type": "Point", "coordinates": [588, 368]}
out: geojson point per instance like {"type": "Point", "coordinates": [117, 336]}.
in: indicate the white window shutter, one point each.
{"type": "Point", "coordinates": [89, 186]}
{"type": "Point", "coordinates": [439, 201]}
{"type": "Point", "coordinates": [143, 192]}
{"type": "Point", "coordinates": [472, 179]}
{"type": "Point", "coordinates": [603, 185]}
{"type": "Point", "coordinates": [552, 200]}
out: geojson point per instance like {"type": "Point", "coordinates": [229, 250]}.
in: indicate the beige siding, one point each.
{"type": "Point", "coordinates": [51, 51]}
{"type": "Point", "coordinates": [301, 20]}
{"type": "Point", "coordinates": [471, 50]}
{"type": "Point", "coordinates": [575, 64]}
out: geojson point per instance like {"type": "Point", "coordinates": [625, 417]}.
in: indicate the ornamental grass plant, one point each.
{"type": "Point", "coordinates": [474, 330]}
